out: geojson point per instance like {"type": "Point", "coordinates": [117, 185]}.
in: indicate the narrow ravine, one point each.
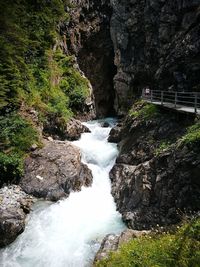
{"type": "Point", "coordinates": [68, 233]}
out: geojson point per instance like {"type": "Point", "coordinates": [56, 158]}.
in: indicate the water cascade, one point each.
{"type": "Point", "coordinates": [68, 233]}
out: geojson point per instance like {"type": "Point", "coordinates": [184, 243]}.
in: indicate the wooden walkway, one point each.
{"type": "Point", "coordinates": [188, 102]}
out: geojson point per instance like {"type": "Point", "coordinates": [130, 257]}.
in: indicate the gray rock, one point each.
{"type": "Point", "coordinates": [74, 129]}
{"type": "Point", "coordinates": [115, 134]}
{"type": "Point", "coordinates": [54, 171]}
{"type": "Point", "coordinates": [14, 205]}
{"type": "Point", "coordinates": [112, 242]}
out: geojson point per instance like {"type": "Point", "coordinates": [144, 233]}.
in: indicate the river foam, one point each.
{"type": "Point", "coordinates": [68, 233]}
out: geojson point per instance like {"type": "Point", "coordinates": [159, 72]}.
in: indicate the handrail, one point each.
{"type": "Point", "coordinates": [179, 100]}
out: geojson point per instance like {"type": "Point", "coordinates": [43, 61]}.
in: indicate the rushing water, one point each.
{"type": "Point", "coordinates": [68, 233]}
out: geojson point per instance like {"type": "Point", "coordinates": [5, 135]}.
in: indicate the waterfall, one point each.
{"type": "Point", "coordinates": [68, 233]}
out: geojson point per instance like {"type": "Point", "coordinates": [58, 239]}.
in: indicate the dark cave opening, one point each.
{"type": "Point", "coordinates": [96, 59]}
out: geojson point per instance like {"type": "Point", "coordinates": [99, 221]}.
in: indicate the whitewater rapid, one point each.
{"type": "Point", "coordinates": [68, 233]}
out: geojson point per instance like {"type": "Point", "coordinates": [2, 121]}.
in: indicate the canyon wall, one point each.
{"type": "Point", "coordinates": [87, 36]}
{"type": "Point", "coordinates": [156, 44]}
{"type": "Point", "coordinates": [155, 180]}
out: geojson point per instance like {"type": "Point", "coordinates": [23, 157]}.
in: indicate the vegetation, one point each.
{"type": "Point", "coordinates": [164, 145]}
{"type": "Point", "coordinates": [34, 72]}
{"type": "Point", "coordinates": [16, 137]}
{"type": "Point", "coordinates": [144, 110]}
{"type": "Point", "coordinates": [180, 249]}
{"type": "Point", "coordinates": [192, 135]}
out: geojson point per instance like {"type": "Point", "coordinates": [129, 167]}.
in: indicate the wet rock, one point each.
{"type": "Point", "coordinates": [105, 124]}
{"type": "Point", "coordinates": [14, 205]}
{"type": "Point", "coordinates": [112, 242]}
{"type": "Point", "coordinates": [74, 129]}
{"type": "Point", "coordinates": [54, 171]}
{"type": "Point", "coordinates": [115, 134]}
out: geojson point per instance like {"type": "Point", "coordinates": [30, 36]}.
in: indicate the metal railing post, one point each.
{"type": "Point", "coordinates": [195, 102]}
{"type": "Point", "coordinates": [161, 97]}
{"type": "Point", "coordinates": [175, 99]}
{"type": "Point", "coordinates": [151, 95]}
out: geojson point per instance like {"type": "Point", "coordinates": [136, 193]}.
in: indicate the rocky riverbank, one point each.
{"type": "Point", "coordinates": [51, 173]}
{"type": "Point", "coordinates": [15, 204]}
{"type": "Point", "coordinates": [156, 176]}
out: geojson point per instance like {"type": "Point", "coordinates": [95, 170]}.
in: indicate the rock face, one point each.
{"type": "Point", "coordinates": [14, 205]}
{"type": "Point", "coordinates": [54, 171]}
{"type": "Point", "coordinates": [112, 242]}
{"type": "Point", "coordinates": [87, 35]}
{"type": "Point", "coordinates": [156, 44]}
{"type": "Point", "coordinates": [154, 182]}
{"type": "Point", "coordinates": [74, 129]}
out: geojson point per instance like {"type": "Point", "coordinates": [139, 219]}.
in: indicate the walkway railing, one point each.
{"type": "Point", "coordinates": [183, 101]}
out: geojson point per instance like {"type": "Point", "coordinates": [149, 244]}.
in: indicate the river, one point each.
{"type": "Point", "coordinates": [68, 233]}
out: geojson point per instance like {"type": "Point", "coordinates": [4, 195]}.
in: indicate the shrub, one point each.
{"type": "Point", "coordinates": [11, 167]}
{"type": "Point", "coordinates": [16, 134]}
{"type": "Point", "coordinates": [16, 137]}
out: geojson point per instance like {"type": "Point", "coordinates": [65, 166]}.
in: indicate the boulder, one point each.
{"type": "Point", "coordinates": [14, 206]}
{"type": "Point", "coordinates": [115, 134]}
{"type": "Point", "coordinates": [74, 129]}
{"type": "Point", "coordinates": [105, 124]}
{"type": "Point", "coordinates": [54, 171]}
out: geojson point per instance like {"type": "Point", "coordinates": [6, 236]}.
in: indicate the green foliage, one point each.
{"type": "Point", "coordinates": [144, 111]}
{"type": "Point", "coordinates": [26, 32]}
{"type": "Point", "coordinates": [11, 167]}
{"type": "Point", "coordinates": [16, 137]}
{"type": "Point", "coordinates": [162, 147]}
{"type": "Point", "coordinates": [181, 249]}
{"type": "Point", "coordinates": [30, 70]}
{"type": "Point", "coordinates": [34, 72]}
{"type": "Point", "coordinates": [16, 134]}
{"type": "Point", "coordinates": [192, 135]}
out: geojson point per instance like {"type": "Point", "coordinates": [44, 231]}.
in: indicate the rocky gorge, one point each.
{"type": "Point", "coordinates": [121, 47]}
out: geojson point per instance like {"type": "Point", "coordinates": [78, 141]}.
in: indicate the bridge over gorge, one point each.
{"type": "Point", "coordinates": [181, 101]}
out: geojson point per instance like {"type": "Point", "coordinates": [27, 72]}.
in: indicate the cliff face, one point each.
{"type": "Point", "coordinates": [156, 44]}
{"type": "Point", "coordinates": [156, 177]}
{"type": "Point", "coordinates": [87, 35]}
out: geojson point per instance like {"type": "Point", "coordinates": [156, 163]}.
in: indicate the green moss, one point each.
{"type": "Point", "coordinates": [192, 135]}
{"type": "Point", "coordinates": [181, 249]}
{"type": "Point", "coordinates": [144, 111]}
{"type": "Point", "coordinates": [164, 145]}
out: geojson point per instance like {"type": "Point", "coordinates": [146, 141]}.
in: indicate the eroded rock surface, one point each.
{"type": "Point", "coordinates": [54, 171]}
{"type": "Point", "coordinates": [14, 206]}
